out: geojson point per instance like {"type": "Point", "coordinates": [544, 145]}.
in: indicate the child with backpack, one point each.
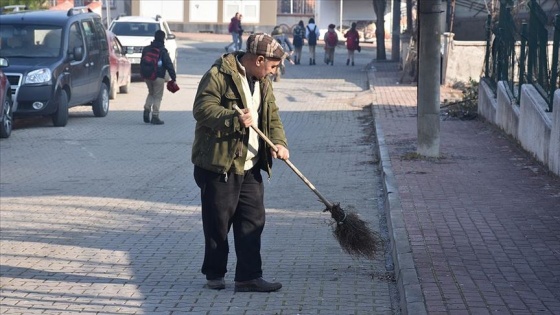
{"type": "Point", "coordinates": [331, 40]}
{"type": "Point", "coordinates": [298, 40]}
{"type": "Point", "coordinates": [352, 43]}
{"type": "Point", "coordinates": [312, 33]}
{"type": "Point", "coordinates": [154, 65]}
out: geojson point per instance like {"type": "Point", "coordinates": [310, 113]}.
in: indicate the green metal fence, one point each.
{"type": "Point", "coordinates": [531, 65]}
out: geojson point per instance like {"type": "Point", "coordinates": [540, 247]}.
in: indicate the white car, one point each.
{"type": "Point", "coordinates": [136, 32]}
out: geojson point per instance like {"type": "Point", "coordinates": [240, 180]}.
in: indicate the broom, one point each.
{"type": "Point", "coordinates": [351, 232]}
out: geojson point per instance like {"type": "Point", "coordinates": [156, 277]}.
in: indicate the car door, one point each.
{"type": "Point", "coordinates": [95, 58]}
{"type": "Point", "coordinates": [123, 63]}
{"type": "Point", "coordinates": [79, 69]}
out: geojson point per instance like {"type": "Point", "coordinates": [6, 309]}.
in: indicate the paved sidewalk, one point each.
{"type": "Point", "coordinates": [114, 227]}
{"type": "Point", "coordinates": [103, 216]}
{"type": "Point", "coordinates": [477, 230]}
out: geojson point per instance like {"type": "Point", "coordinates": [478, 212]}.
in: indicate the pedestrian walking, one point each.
{"type": "Point", "coordinates": [298, 41]}
{"type": "Point", "coordinates": [331, 40]}
{"type": "Point", "coordinates": [312, 33]}
{"type": "Point", "coordinates": [233, 28]}
{"type": "Point", "coordinates": [228, 158]}
{"type": "Point", "coordinates": [352, 43]}
{"type": "Point", "coordinates": [240, 39]}
{"type": "Point", "coordinates": [163, 65]}
{"type": "Point", "coordinates": [282, 38]}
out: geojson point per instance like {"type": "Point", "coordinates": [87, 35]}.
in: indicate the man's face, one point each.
{"type": "Point", "coordinates": [265, 67]}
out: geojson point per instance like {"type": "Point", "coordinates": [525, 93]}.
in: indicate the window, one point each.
{"type": "Point", "coordinates": [250, 9]}
{"type": "Point", "coordinates": [299, 7]}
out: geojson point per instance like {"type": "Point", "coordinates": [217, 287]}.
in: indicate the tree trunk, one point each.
{"type": "Point", "coordinates": [396, 43]}
{"type": "Point", "coordinates": [379, 7]}
{"type": "Point", "coordinates": [409, 24]}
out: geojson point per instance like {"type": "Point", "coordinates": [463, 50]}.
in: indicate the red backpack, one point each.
{"type": "Point", "coordinates": [353, 39]}
{"type": "Point", "coordinates": [149, 62]}
{"type": "Point", "coordinates": [332, 39]}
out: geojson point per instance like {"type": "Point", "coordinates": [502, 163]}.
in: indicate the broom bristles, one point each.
{"type": "Point", "coordinates": [353, 234]}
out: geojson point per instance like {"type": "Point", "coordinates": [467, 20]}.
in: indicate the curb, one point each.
{"type": "Point", "coordinates": [408, 283]}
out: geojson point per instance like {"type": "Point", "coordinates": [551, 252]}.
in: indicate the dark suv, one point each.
{"type": "Point", "coordinates": [58, 59]}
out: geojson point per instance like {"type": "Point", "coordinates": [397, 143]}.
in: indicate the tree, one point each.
{"type": "Point", "coordinates": [31, 4]}
{"type": "Point", "coordinates": [379, 6]}
{"type": "Point", "coordinates": [396, 43]}
{"type": "Point", "coordinates": [409, 16]}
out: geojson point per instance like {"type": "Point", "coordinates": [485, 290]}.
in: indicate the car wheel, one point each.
{"type": "Point", "coordinates": [113, 91]}
{"type": "Point", "coordinates": [124, 89]}
{"type": "Point", "coordinates": [60, 117]}
{"type": "Point", "coordinates": [101, 104]}
{"type": "Point", "coordinates": [7, 119]}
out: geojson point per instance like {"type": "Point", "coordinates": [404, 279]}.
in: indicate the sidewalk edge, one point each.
{"type": "Point", "coordinates": [408, 284]}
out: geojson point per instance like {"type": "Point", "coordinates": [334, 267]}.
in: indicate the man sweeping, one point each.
{"type": "Point", "coordinates": [228, 158]}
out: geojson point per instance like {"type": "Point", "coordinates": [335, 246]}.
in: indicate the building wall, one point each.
{"type": "Point", "coordinates": [210, 15]}
{"type": "Point", "coordinates": [214, 15]}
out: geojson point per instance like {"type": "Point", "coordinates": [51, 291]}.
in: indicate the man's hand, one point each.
{"type": "Point", "coordinates": [282, 153]}
{"type": "Point", "coordinates": [245, 119]}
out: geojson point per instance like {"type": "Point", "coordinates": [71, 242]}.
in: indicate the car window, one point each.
{"type": "Point", "coordinates": [52, 41]}
{"type": "Point", "coordinates": [91, 40]}
{"type": "Point", "coordinates": [135, 28]}
{"type": "Point", "coordinates": [101, 36]}
{"type": "Point", "coordinates": [30, 41]}
{"type": "Point", "coordinates": [76, 39]}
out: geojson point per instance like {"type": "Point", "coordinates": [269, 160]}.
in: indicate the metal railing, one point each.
{"type": "Point", "coordinates": [532, 64]}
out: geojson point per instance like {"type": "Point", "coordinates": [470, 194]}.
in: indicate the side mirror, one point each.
{"type": "Point", "coordinates": [78, 53]}
{"type": "Point", "coordinates": [4, 62]}
{"type": "Point", "coordinates": [171, 36]}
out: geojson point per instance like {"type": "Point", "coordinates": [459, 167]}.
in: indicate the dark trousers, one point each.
{"type": "Point", "coordinates": [238, 201]}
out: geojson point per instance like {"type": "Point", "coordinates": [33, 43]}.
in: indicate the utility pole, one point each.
{"type": "Point", "coordinates": [429, 67]}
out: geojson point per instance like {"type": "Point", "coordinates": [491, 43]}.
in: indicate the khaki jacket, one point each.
{"type": "Point", "coordinates": [220, 142]}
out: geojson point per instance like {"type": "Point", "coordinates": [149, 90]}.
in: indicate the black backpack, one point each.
{"type": "Point", "coordinates": [312, 38]}
{"type": "Point", "coordinates": [149, 62]}
{"type": "Point", "coordinates": [299, 34]}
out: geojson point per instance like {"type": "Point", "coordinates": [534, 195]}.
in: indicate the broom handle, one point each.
{"type": "Point", "coordinates": [292, 166]}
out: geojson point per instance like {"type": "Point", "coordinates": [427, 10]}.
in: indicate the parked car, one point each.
{"type": "Point", "coordinates": [120, 66]}
{"type": "Point", "coordinates": [58, 59]}
{"type": "Point", "coordinates": [137, 32]}
{"type": "Point", "coordinates": [6, 102]}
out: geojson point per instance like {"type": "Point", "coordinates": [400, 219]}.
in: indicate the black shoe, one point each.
{"type": "Point", "coordinates": [156, 120]}
{"type": "Point", "coordinates": [146, 115]}
{"type": "Point", "coordinates": [257, 285]}
{"type": "Point", "coordinates": [227, 50]}
{"type": "Point", "coordinates": [313, 61]}
{"type": "Point", "coordinates": [348, 61]}
{"type": "Point", "coordinates": [310, 61]}
{"type": "Point", "coordinates": [216, 284]}
{"type": "Point", "coordinates": [352, 63]}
